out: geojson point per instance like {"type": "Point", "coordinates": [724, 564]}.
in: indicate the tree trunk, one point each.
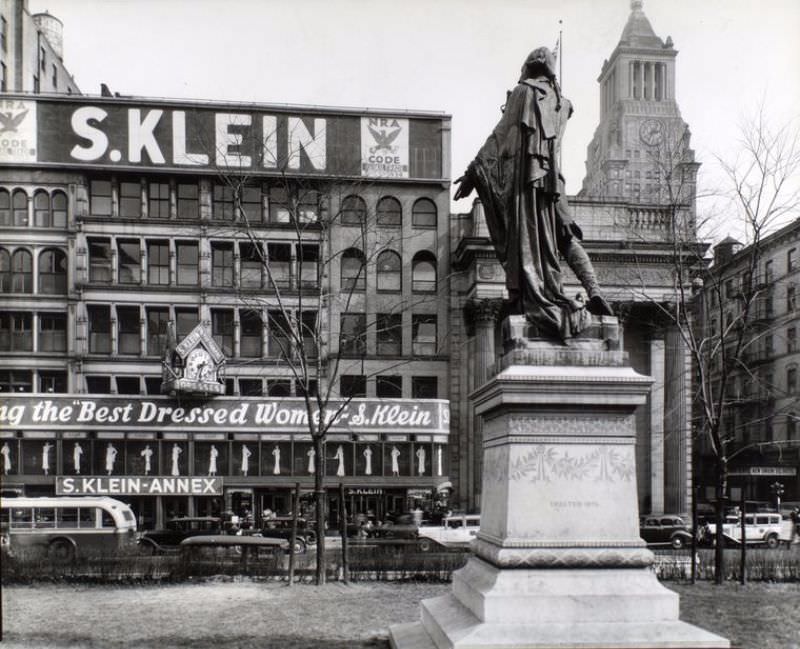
{"type": "Point", "coordinates": [719, 549]}
{"type": "Point", "coordinates": [319, 500]}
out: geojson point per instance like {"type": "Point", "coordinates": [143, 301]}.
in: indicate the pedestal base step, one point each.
{"type": "Point", "coordinates": [447, 624]}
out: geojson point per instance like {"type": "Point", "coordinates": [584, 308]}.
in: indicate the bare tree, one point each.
{"type": "Point", "coordinates": [337, 240]}
{"type": "Point", "coordinates": [722, 310]}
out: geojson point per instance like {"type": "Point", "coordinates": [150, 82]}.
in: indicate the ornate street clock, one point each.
{"type": "Point", "coordinates": [651, 132]}
{"type": "Point", "coordinates": [194, 365]}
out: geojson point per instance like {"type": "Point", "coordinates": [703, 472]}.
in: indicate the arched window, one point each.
{"type": "Point", "coordinates": [53, 272]}
{"type": "Point", "coordinates": [5, 207]}
{"type": "Point", "coordinates": [354, 210]}
{"type": "Point", "coordinates": [389, 271]}
{"type": "Point", "coordinates": [353, 270]}
{"type": "Point", "coordinates": [41, 210]}
{"type": "Point", "coordinates": [20, 207]}
{"type": "Point", "coordinates": [423, 214]}
{"type": "Point", "coordinates": [423, 273]}
{"type": "Point", "coordinates": [5, 271]}
{"type": "Point", "coordinates": [21, 272]}
{"type": "Point", "coordinates": [389, 212]}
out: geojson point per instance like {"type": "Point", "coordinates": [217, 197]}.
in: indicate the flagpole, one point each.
{"type": "Point", "coordinates": [560, 57]}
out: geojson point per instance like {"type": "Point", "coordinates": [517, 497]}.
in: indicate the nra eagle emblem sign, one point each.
{"type": "Point", "coordinates": [17, 130]}
{"type": "Point", "coordinates": [384, 147]}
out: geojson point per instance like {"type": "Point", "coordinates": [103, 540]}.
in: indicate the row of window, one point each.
{"type": "Point", "coordinates": [121, 330]}
{"type": "Point", "coordinates": [178, 263]}
{"type": "Point", "coordinates": [16, 271]}
{"type": "Point", "coordinates": [138, 198]}
{"type": "Point", "coordinates": [246, 265]}
{"type": "Point", "coordinates": [220, 458]}
{"type": "Point", "coordinates": [46, 210]}
{"type": "Point", "coordinates": [353, 331]}
{"type": "Point", "coordinates": [240, 333]}
{"type": "Point", "coordinates": [17, 332]}
{"type": "Point", "coordinates": [386, 386]}
{"type": "Point", "coordinates": [33, 381]}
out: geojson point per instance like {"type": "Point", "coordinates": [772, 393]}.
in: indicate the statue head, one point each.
{"type": "Point", "coordinates": [539, 62]}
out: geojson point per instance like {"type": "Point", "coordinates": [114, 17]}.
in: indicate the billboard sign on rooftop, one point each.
{"type": "Point", "coordinates": [203, 138]}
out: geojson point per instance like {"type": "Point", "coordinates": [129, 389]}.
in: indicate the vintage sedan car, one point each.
{"type": "Point", "coordinates": [176, 530]}
{"type": "Point", "coordinates": [280, 527]}
{"type": "Point", "coordinates": [216, 547]}
{"type": "Point", "coordinates": [455, 530]}
{"type": "Point", "coordinates": [665, 530]}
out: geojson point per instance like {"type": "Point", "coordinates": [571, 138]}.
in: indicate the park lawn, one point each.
{"type": "Point", "coordinates": [245, 614]}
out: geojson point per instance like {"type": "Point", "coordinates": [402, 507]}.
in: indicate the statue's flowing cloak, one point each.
{"type": "Point", "coordinates": [517, 179]}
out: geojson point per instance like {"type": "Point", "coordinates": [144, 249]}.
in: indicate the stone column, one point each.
{"type": "Point", "coordinates": [484, 313]}
{"type": "Point", "coordinates": [657, 423]}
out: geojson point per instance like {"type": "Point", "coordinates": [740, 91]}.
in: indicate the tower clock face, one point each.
{"type": "Point", "coordinates": [651, 132]}
{"type": "Point", "coordinates": [199, 365]}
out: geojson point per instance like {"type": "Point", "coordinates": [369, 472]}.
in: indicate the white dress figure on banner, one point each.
{"type": "Point", "coordinates": [395, 464]}
{"type": "Point", "coordinates": [111, 457]}
{"type": "Point", "coordinates": [146, 453]}
{"type": "Point", "coordinates": [439, 460]}
{"type": "Point", "coordinates": [213, 453]}
{"type": "Point", "coordinates": [77, 451]}
{"type": "Point", "coordinates": [421, 461]}
{"type": "Point", "coordinates": [6, 453]}
{"type": "Point", "coordinates": [46, 457]}
{"type": "Point", "coordinates": [311, 454]}
{"type": "Point", "coordinates": [340, 457]}
{"type": "Point", "coordinates": [276, 465]}
{"type": "Point", "coordinates": [245, 459]}
{"type": "Point", "coordinates": [368, 460]}
{"type": "Point", "coordinates": [176, 454]}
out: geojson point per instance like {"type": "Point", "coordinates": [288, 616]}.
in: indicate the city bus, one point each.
{"type": "Point", "coordinates": [66, 527]}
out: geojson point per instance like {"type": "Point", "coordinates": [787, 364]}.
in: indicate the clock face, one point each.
{"type": "Point", "coordinates": [199, 365]}
{"type": "Point", "coordinates": [651, 132]}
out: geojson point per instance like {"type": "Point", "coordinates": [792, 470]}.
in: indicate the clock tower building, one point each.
{"type": "Point", "coordinates": [640, 151]}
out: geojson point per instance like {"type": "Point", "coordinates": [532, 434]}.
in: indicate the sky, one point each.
{"type": "Point", "coordinates": [454, 56]}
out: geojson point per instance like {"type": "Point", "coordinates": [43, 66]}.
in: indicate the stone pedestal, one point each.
{"type": "Point", "coordinates": [558, 559]}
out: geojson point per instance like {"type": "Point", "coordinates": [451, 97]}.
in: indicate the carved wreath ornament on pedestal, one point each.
{"type": "Point", "coordinates": [543, 463]}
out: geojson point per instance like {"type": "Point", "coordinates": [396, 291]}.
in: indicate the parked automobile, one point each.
{"type": "Point", "coordinates": [665, 530]}
{"type": "Point", "coordinates": [178, 529]}
{"type": "Point", "coordinates": [403, 528]}
{"type": "Point", "coordinates": [760, 528]}
{"type": "Point", "coordinates": [455, 530]}
{"type": "Point", "coordinates": [240, 548]}
{"type": "Point", "coordinates": [280, 527]}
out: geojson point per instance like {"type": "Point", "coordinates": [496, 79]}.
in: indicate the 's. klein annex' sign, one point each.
{"type": "Point", "coordinates": [133, 486]}
{"type": "Point", "coordinates": [229, 414]}
{"type": "Point", "coordinates": [143, 134]}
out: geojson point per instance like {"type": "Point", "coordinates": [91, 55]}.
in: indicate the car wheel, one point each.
{"type": "Point", "coordinates": [425, 545]}
{"type": "Point", "coordinates": [61, 550]}
{"type": "Point", "coordinates": [678, 542]}
{"type": "Point", "coordinates": [773, 541]}
{"type": "Point", "coordinates": [147, 549]}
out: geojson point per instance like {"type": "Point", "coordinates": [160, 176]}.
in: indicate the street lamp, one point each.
{"type": "Point", "coordinates": [777, 490]}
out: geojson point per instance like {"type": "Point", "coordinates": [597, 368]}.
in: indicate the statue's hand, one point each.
{"type": "Point", "coordinates": [465, 187]}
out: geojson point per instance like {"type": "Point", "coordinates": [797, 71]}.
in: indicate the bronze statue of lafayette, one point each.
{"type": "Point", "coordinates": [517, 178]}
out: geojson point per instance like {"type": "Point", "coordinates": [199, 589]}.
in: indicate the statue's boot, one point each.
{"type": "Point", "coordinates": [581, 265]}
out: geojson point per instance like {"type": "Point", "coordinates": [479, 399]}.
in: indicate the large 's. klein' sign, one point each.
{"type": "Point", "coordinates": [229, 414]}
{"type": "Point", "coordinates": [127, 133]}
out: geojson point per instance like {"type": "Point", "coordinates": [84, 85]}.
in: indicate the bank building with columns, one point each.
{"type": "Point", "coordinates": [639, 184]}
